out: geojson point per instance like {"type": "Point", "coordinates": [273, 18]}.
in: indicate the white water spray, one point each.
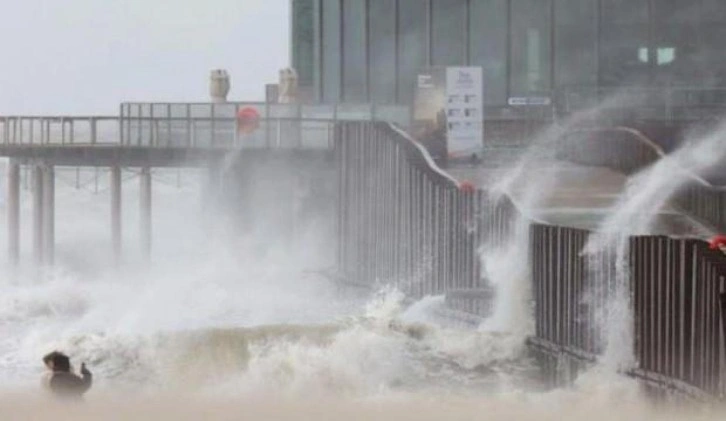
{"type": "Point", "coordinates": [635, 213]}
{"type": "Point", "coordinates": [528, 184]}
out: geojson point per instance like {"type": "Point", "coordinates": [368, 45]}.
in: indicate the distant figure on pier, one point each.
{"type": "Point", "coordinates": [60, 379]}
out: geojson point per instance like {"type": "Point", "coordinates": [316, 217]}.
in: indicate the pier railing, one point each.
{"type": "Point", "coordinates": [673, 286]}
{"type": "Point", "coordinates": [401, 219]}
{"type": "Point", "coordinates": [628, 151]}
{"type": "Point", "coordinates": [59, 130]}
{"type": "Point", "coordinates": [210, 125]}
{"type": "Point", "coordinates": [705, 203]}
{"type": "Point", "coordinates": [198, 125]}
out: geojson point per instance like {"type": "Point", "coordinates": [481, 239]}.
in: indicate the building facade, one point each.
{"type": "Point", "coordinates": [371, 51]}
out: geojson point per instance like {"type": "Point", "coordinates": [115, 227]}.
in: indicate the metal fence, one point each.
{"type": "Point", "coordinates": [401, 220]}
{"type": "Point", "coordinates": [674, 286]}
{"type": "Point", "coordinates": [621, 149]}
{"type": "Point", "coordinates": [704, 202]}
{"type": "Point", "coordinates": [58, 130]}
{"type": "Point", "coordinates": [209, 125]}
{"type": "Point", "coordinates": [564, 320]}
{"type": "Point", "coordinates": [627, 151]}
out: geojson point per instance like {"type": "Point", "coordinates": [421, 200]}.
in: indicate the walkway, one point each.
{"type": "Point", "coordinates": [575, 196]}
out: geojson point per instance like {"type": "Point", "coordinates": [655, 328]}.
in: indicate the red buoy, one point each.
{"type": "Point", "coordinates": [248, 120]}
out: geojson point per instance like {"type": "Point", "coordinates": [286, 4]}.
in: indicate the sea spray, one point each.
{"type": "Point", "coordinates": [505, 264]}
{"type": "Point", "coordinates": [636, 211]}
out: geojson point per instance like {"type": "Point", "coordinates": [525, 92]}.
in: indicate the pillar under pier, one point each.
{"type": "Point", "coordinates": [116, 237]}
{"type": "Point", "coordinates": [145, 211]}
{"type": "Point", "coordinates": [13, 211]}
{"type": "Point", "coordinates": [37, 190]}
{"type": "Point", "coordinates": [48, 214]}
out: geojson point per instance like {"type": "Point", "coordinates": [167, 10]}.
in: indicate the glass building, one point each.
{"type": "Point", "coordinates": [370, 51]}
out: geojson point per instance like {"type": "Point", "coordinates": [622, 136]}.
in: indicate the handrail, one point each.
{"type": "Point", "coordinates": [648, 143]}
{"type": "Point", "coordinates": [701, 200]}
{"type": "Point", "coordinates": [422, 155]}
{"type": "Point", "coordinates": [402, 219]}
{"type": "Point", "coordinates": [58, 117]}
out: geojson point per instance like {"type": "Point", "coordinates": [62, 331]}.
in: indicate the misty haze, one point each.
{"type": "Point", "coordinates": [389, 209]}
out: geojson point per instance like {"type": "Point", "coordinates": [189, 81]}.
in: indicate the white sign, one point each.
{"type": "Point", "coordinates": [464, 110]}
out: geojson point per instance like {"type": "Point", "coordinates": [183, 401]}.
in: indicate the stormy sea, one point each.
{"type": "Point", "coordinates": [220, 325]}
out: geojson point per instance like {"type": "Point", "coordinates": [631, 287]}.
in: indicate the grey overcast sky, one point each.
{"type": "Point", "coordinates": [87, 56]}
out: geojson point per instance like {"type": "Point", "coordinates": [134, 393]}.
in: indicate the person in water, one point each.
{"type": "Point", "coordinates": [60, 379]}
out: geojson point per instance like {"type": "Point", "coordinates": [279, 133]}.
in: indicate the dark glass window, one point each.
{"type": "Point", "coordinates": [531, 49]}
{"type": "Point", "coordinates": [412, 45]}
{"type": "Point", "coordinates": [448, 37]}
{"type": "Point", "coordinates": [382, 38]}
{"type": "Point", "coordinates": [710, 56]}
{"type": "Point", "coordinates": [331, 51]}
{"type": "Point", "coordinates": [354, 51]}
{"type": "Point", "coordinates": [576, 44]}
{"type": "Point", "coordinates": [303, 40]}
{"type": "Point", "coordinates": [488, 46]}
{"type": "Point", "coordinates": [675, 42]}
{"type": "Point", "coordinates": [625, 55]}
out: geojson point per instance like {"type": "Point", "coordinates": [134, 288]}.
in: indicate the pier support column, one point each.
{"type": "Point", "coordinates": [37, 175]}
{"type": "Point", "coordinates": [48, 214]}
{"type": "Point", "coordinates": [13, 211]}
{"type": "Point", "coordinates": [145, 202]}
{"type": "Point", "coordinates": [116, 239]}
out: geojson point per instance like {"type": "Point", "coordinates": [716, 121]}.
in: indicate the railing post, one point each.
{"type": "Point", "coordinates": [121, 121]}
{"type": "Point", "coordinates": [189, 125]}
{"type": "Point", "coordinates": [152, 140]}
{"type": "Point", "coordinates": [94, 129]}
{"type": "Point", "coordinates": [169, 141]}
{"type": "Point", "coordinates": [15, 131]}
{"type": "Point", "coordinates": [140, 125]}
{"type": "Point", "coordinates": [63, 130]}
{"type": "Point", "coordinates": [212, 126]}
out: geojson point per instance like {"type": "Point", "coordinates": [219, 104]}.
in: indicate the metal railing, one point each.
{"type": "Point", "coordinates": [675, 286]}
{"type": "Point", "coordinates": [401, 219]}
{"type": "Point", "coordinates": [58, 130]}
{"type": "Point", "coordinates": [621, 149]}
{"type": "Point", "coordinates": [202, 125]}
{"type": "Point", "coordinates": [705, 203]}
{"type": "Point", "coordinates": [210, 125]}
{"type": "Point", "coordinates": [627, 151]}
